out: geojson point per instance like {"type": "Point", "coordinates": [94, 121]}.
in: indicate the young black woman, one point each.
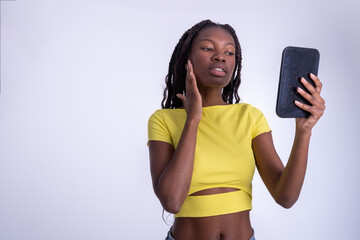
{"type": "Point", "coordinates": [204, 148]}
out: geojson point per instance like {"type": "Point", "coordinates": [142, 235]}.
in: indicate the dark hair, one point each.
{"type": "Point", "coordinates": [175, 79]}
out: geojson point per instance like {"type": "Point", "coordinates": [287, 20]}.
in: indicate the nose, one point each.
{"type": "Point", "coordinates": [218, 57]}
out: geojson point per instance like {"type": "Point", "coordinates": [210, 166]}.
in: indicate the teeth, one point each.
{"type": "Point", "coordinates": [218, 69]}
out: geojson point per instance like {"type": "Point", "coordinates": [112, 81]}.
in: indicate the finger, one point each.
{"type": "Point", "coordinates": [310, 98]}
{"type": "Point", "coordinates": [189, 64]}
{"type": "Point", "coordinates": [182, 98]}
{"type": "Point", "coordinates": [318, 84]}
{"type": "Point", "coordinates": [308, 86]}
{"type": "Point", "coordinates": [314, 111]}
{"type": "Point", "coordinates": [191, 70]}
{"type": "Point", "coordinates": [191, 79]}
{"type": "Point", "coordinates": [303, 106]}
{"type": "Point", "coordinates": [315, 93]}
{"type": "Point", "coordinates": [320, 104]}
{"type": "Point", "coordinates": [187, 79]}
{"type": "Point", "coordinates": [187, 70]}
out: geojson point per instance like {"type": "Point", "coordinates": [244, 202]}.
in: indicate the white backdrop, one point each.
{"type": "Point", "coordinates": [79, 80]}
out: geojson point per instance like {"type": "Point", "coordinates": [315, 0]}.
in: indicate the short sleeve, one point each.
{"type": "Point", "coordinates": [157, 128]}
{"type": "Point", "coordinates": [260, 125]}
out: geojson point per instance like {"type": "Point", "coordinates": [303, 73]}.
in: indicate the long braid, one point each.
{"type": "Point", "coordinates": [231, 90]}
{"type": "Point", "coordinates": [175, 79]}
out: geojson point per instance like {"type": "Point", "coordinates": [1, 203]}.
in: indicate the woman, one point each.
{"type": "Point", "coordinates": [204, 149]}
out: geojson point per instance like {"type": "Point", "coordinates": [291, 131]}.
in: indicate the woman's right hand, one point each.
{"type": "Point", "coordinates": [192, 101]}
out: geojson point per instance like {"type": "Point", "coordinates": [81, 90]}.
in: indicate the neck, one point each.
{"type": "Point", "coordinates": [212, 97]}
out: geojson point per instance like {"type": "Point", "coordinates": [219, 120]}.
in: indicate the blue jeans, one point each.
{"type": "Point", "coordinates": [170, 237]}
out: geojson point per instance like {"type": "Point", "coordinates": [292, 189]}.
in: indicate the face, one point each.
{"type": "Point", "coordinates": [213, 57]}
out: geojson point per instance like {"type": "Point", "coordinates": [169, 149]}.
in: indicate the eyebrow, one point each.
{"type": "Point", "coordinates": [206, 39]}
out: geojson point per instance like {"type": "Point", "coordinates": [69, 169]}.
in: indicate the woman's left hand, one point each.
{"type": "Point", "coordinates": [317, 102]}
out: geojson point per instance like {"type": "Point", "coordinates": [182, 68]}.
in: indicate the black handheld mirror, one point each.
{"type": "Point", "coordinates": [296, 62]}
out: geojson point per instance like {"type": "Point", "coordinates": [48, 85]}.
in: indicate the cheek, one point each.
{"type": "Point", "coordinates": [197, 60]}
{"type": "Point", "coordinates": [232, 66]}
{"type": "Point", "coordinates": [197, 73]}
{"type": "Point", "coordinates": [198, 65]}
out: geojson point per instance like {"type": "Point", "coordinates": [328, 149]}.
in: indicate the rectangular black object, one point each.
{"type": "Point", "coordinates": [296, 62]}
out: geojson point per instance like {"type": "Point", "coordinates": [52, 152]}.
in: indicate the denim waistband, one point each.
{"type": "Point", "coordinates": [169, 236]}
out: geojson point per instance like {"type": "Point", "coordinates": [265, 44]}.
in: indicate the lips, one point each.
{"type": "Point", "coordinates": [218, 70]}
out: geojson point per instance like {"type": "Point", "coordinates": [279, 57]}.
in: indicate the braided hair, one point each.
{"type": "Point", "coordinates": [175, 79]}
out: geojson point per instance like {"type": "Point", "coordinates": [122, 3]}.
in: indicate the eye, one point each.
{"type": "Point", "coordinates": [207, 48]}
{"type": "Point", "coordinates": [229, 53]}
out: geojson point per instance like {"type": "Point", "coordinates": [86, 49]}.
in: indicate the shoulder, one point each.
{"type": "Point", "coordinates": [158, 113]}
{"type": "Point", "coordinates": [246, 108]}
{"type": "Point", "coordinates": [167, 113]}
{"type": "Point", "coordinates": [168, 117]}
{"type": "Point", "coordinates": [251, 114]}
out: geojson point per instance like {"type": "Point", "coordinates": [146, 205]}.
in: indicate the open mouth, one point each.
{"type": "Point", "coordinates": [217, 71]}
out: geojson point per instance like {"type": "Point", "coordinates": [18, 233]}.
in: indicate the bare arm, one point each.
{"type": "Point", "coordinates": [285, 184]}
{"type": "Point", "coordinates": [171, 169]}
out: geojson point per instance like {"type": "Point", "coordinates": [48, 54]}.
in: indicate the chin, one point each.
{"type": "Point", "coordinates": [212, 81]}
{"type": "Point", "coordinates": [218, 82]}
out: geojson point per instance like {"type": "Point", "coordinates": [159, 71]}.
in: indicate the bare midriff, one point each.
{"type": "Point", "coordinates": [233, 226]}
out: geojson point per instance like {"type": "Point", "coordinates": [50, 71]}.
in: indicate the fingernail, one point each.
{"type": "Point", "coordinates": [300, 90]}
{"type": "Point", "coordinates": [311, 74]}
{"type": "Point", "coordinates": [297, 102]}
{"type": "Point", "coordinates": [303, 79]}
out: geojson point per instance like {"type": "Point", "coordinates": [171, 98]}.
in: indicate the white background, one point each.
{"type": "Point", "coordinates": [79, 80]}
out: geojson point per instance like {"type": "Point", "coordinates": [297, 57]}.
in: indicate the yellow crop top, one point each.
{"type": "Point", "coordinates": [223, 154]}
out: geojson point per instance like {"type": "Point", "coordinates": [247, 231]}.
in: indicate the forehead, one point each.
{"type": "Point", "coordinates": [215, 34]}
